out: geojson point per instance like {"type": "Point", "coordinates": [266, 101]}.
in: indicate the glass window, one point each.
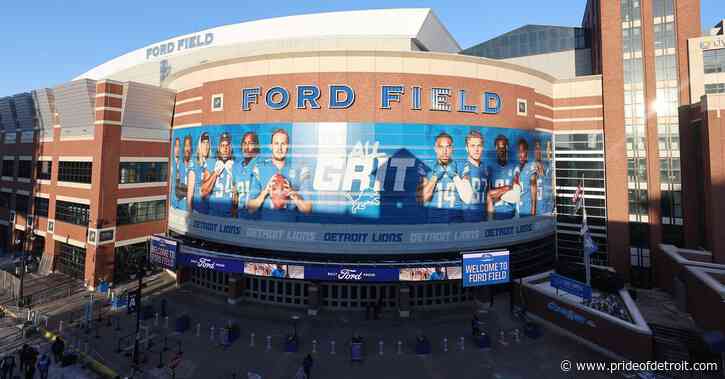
{"type": "Point", "coordinates": [71, 260]}
{"type": "Point", "coordinates": [73, 213]}
{"type": "Point", "coordinates": [41, 206]}
{"type": "Point", "coordinates": [77, 172]}
{"type": "Point", "coordinates": [715, 88]}
{"type": "Point", "coordinates": [126, 261]}
{"type": "Point", "coordinates": [21, 204]}
{"type": "Point", "coordinates": [714, 61]}
{"type": "Point", "coordinates": [43, 169]}
{"type": "Point", "coordinates": [24, 169]}
{"type": "Point", "coordinates": [135, 213]}
{"type": "Point", "coordinates": [142, 172]}
{"type": "Point", "coordinates": [8, 168]}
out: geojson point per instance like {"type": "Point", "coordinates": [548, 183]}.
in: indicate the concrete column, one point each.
{"type": "Point", "coordinates": [313, 299]}
{"type": "Point", "coordinates": [99, 264]}
{"type": "Point", "coordinates": [236, 289]}
{"type": "Point", "coordinates": [404, 301]}
{"type": "Point", "coordinates": [182, 275]}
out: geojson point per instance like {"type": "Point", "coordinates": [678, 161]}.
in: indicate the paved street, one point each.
{"type": "Point", "coordinates": [203, 356]}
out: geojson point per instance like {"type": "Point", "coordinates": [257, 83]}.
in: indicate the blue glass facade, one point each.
{"type": "Point", "coordinates": [531, 40]}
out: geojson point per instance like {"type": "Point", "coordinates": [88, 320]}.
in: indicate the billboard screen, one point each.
{"type": "Point", "coordinates": [485, 268]}
{"type": "Point", "coordinates": [336, 187]}
{"type": "Point", "coordinates": [274, 270]}
{"type": "Point", "coordinates": [430, 273]}
{"type": "Point", "coordinates": [163, 252]}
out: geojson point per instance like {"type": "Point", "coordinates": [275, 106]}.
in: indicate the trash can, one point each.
{"type": "Point", "coordinates": [483, 341]}
{"type": "Point", "coordinates": [291, 345]}
{"type": "Point", "coordinates": [422, 346]}
{"type": "Point", "coordinates": [532, 331]}
{"type": "Point", "coordinates": [182, 324]}
{"type": "Point", "coordinates": [356, 349]}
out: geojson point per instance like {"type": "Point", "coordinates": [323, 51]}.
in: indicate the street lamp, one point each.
{"type": "Point", "coordinates": [143, 264]}
{"type": "Point", "coordinates": [295, 318]}
{"type": "Point", "coordinates": [140, 266]}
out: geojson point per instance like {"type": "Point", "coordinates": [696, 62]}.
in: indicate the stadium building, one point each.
{"type": "Point", "coordinates": [318, 162]}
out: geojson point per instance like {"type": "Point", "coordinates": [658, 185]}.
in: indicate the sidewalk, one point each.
{"type": "Point", "coordinates": [203, 356]}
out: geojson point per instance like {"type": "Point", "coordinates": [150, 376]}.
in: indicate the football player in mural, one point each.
{"type": "Point", "coordinates": [549, 203]}
{"type": "Point", "coordinates": [476, 173]}
{"type": "Point", "coordinates": [201, 174]}
{"type": "Point", "coordinates": [526, 178]}
{"type": "Point", "coordinates": [543, 179]}
{"type": "Point", "coordinates": [175, 172]}
{"type": "Point", "coordinates": [218, 186]}
{"type": "Point", "coordinates": [184, 192]}
{"type": "Point", "coordinates": [277, 187]}
{"type": "Point", "coordinates": [437, 274]}
{"type": "Point", "coordinates": [243, 174]}
{"type": "Point", "coordinates": [442, 188]}
{"type": "Point", "coordinates": [279, 272]}
{"type": "Point", "coordinates": [502, 195]}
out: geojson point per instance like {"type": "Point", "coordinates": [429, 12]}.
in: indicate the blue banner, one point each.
{"type": "Point", "coordinates": [351, 273]}
{"type": "Point", "coordinates": [571, 286]}
{"type": "Point", "coordinates": [319, 187]}
{"type": "Point", "coordinates": [485, 268]}
{"type": "Point", "coordinates": [163, 252]}
{"type": "Point", "coordinates": [198, 258]}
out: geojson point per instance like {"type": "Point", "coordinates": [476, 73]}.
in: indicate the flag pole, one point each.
{"type": "Point", "coordinates": [587, 263]}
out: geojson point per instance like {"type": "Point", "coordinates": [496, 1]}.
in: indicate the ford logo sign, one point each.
{"type": "Point", "coordinates": [347, 274]}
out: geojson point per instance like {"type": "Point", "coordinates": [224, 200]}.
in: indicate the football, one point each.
{"type": "Point", "coordinates": [278, 195]}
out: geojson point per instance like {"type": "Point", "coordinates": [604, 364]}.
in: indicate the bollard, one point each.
{"type": "Point", "coordinates": [211, 333]}
{"type": "Point", "coordinates": [251, 340]}
{"type": "Point", "coordinates": [462, 343]}
{"type": "Point", "coordinates": [380, 347]}
{"type": "Point", "coordinates": [156, 319]}
{"type": "Point", "coordinates": [314, 346]}
{"type": "Point", "coordinates": [332, 347]}
{"type": "Point", "coordinates": [445, 344]}
{"type": "Point", "coordinates": [161, 359]}
{"type": "Point", "coordinates": [166, 322]}
{"type": "Point", "coordinates": [517, 335]}
{"type": "Point", "coordinates": [163, 308]}
{"type": "Point", "coordinates": [269, 343]}
{"type": "Point", "coordinates": [502, 337]}
{"type": "Point", "coordinates": [60, 326]}
{"type": "Point", "coordinates": [400, 347]}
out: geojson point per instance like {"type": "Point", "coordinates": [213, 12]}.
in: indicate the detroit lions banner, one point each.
{"type": "Point", "coordinates": [361, 187]}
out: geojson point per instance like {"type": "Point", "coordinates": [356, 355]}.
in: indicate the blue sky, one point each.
{"type": "Point", "coordinates": [45, 45]}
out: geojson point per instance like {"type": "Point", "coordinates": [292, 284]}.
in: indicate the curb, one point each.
{"type": "Point", "coordinates": [94, 365]}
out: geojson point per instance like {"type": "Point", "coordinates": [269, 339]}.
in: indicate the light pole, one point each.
{"type": "Point", "coordinates": [140, 274]}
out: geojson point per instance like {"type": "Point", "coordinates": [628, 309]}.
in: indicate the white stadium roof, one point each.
{"type": "Point", "coordinates": [392, 29]}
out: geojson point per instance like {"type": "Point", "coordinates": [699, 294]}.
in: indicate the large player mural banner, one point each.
{"type": "Point", "coordinates": [364, 187]}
